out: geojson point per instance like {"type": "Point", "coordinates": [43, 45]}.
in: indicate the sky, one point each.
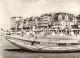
{"type": "Point", "coordinates": [28, 8]}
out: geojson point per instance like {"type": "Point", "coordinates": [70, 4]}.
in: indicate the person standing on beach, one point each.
{"type": "Point", "coordinates": [1, 34]}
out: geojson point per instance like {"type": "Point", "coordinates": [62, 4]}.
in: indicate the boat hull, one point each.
{"type": "Point", "coordinates": [36, 47]}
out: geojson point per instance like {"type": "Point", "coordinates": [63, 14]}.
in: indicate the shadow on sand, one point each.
{"type": "Point", "coordinates": [28, 51]}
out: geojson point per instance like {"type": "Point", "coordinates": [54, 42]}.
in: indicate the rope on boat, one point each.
{"type": "Point", "coordinates": [33, 41]}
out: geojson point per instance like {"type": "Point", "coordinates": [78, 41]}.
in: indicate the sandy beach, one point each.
{"type": "Point", "coordinates": [8, 50]}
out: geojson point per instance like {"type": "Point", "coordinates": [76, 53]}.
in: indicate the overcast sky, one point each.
{"type": "Point", "coordinates": [28, 8]}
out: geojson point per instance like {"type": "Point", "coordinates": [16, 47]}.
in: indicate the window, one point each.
{"type": "Point", "coordinates": [61, 44]}
{"type": "Point", "coordinates": [75, 43]}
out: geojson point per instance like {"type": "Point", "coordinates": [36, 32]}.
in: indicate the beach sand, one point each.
{"type": "Point", "coordinates": [8, 50]}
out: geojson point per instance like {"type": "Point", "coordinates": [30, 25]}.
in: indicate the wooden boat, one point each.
{"type": "Point", "coordinates": [56, 43]}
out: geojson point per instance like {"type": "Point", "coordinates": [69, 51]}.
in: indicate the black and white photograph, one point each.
{"type": "Point", "coordinates": [39, 28]}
